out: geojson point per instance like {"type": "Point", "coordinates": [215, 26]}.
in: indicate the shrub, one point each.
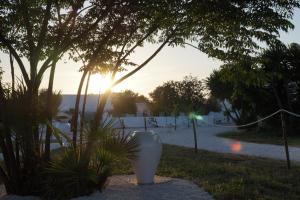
{"type": "Point", "coordinates": [83, 171]}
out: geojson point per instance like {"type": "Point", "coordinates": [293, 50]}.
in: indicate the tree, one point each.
{"type": "Point", "coordinates": [200, 21]}
{"type": "Point", "coordinates": [229, 29]}
{"type": "Point", "coordinates": [261, 86]}
{"type": "Point", "coordinates": [50, 30]}
{"type": "Point", "coordinates": [191, 93]}
{"type": "Point", "coordinates": [281, 66]}
{"type": "Point", "coordinates": [135, 23]}
{"type": "Point", "coordinates": [164, 98]}
{"type": "Point", "coordinates": [178, 96]}
{"type": "Point", "coordinates": [240, 85]}
{"type": "Point", "coordinates": [124, 103]}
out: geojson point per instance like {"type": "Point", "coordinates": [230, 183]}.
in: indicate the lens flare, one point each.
{"type": "Point", "coordinates": [236, 147]}
{"type": "Point", "coordinates": [194, 116]}
{"type": "Point", "coordinates": [199, 117]}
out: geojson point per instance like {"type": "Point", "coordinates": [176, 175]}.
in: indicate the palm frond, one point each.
{"type": "Point", "coordinates": [58, 134]}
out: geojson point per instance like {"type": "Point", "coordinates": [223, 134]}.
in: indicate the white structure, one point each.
{"type": "Point", "coordinates": [150, 149]}
{"type": "Point", "coordinates": [69, 100]}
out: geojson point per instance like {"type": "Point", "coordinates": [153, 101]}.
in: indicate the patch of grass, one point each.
{"type": "Point", "coordinates": [261, 137]}
{"type": "Point", "coordinates": [228, 176]}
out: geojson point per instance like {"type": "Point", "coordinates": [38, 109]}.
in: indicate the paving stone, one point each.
{"type": "Point", "coordinates": [124, 187]}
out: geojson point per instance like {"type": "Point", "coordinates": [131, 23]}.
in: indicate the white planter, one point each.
{"type": "Point", "coordinates": [150, 149]}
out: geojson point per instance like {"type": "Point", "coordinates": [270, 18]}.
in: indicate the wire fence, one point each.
{"type": "Point", "coordinates": [195, 118]}
{"type": "Point", "coordinates": [151, 122]}
{"type": "Point", "coordinates": [257, 121]}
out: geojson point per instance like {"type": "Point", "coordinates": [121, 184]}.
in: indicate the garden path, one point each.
{"type": "Point", "coordinates": [207, 140]}
{"type": "Point", "coordinates": [124, 188]}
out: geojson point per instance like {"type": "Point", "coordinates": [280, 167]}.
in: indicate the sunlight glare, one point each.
{"type": "Point", "coordinates": [99, 83]}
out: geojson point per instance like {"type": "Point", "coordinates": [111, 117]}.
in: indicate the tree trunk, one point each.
{"type": "Point", "coordinates": [284, 136]}
{"type": "Point", "coordinates": [12, 71]}
{"type": "Point", "coordinates": [49, 112]}
{"type": "Point", "coordinates": [31, 130]}
{"type": "Point", "coordinates": [283, 126]}
{"type": "Point", "coordinates": [83, 108]}
{"type": "Point", "coordinates": [195, 137]}
{"type": "Point", "coordinates": [76, 111]}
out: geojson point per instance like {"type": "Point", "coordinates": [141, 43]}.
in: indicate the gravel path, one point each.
{"type": "Point", "coordinates": [125, 188]}
{"type": "Point", "coordinates": [207, 140]}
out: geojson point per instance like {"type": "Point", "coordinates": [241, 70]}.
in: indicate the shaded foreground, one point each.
{"type": "Point", "coordinates": [123, 187]}
{"type": "Point", "coordinates": [261, 137]}
{"type": "Point", "coordinates": [227, 176]}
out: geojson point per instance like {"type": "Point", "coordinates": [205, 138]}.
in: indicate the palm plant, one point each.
{"type": "Point", "coordinates": [20, 149]}
{"type": "Point", "coordinates": [78, 173]}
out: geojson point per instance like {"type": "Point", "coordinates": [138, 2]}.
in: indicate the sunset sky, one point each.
{"type": "Point", "coordinates": [169, 64]}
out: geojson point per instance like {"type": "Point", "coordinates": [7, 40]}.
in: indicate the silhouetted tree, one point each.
{"type": "Point", "coordinates": [124, 103]}
{"type": "Point", "coordinates": [178, 96]}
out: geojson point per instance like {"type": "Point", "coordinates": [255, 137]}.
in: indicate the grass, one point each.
{"type": "Point", "coordinates": [261, 137]}
{"type": "Point", "coordinates": [228, 176]}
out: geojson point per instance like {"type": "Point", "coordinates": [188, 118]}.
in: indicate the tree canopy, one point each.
{"type": "Point", "coordinates": [125, 102]}
{"type": "Point", "coordinates": [183, 96]}
{"type": "Point", "coordinates": [42, 31]}
{"type": "Point", "coordinates": [259, 87]}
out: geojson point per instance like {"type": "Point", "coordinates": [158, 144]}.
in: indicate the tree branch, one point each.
{"type": "Point", "coordinates": [142, 65]}
{"type": "Point", "coordinates": [44, 29]}
{"type": "Point", "coordinates": [191, 45]}
{"type": "Point", "coordinates": [28, 27]}
{"type": "Point", "coordinates": [152, 30]}
{"type": "Point", "coordinates": [6, 43]}
{"type": "Point", "coordinates": [61, 50]}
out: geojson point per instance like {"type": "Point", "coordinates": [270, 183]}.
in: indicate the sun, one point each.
{"type": "Point", "coordinates": [99, 83]}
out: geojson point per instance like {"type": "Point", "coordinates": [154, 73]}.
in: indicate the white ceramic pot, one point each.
{"type": "Point", "coordinates": [150, 149]}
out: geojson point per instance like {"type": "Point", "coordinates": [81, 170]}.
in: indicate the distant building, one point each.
{"type": "Point", "coordinates": [69, 100]}
{"type": "Point", "coordinates": [68, 103]}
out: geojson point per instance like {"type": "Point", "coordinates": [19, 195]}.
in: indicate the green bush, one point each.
{"type": "Point", "coordinates": [80, 172]}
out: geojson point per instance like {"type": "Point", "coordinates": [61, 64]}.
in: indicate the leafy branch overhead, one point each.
{"type": "Point", "coordinates": [106, 30]}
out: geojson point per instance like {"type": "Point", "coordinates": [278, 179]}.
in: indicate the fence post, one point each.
{"type": "Point", "coordinates": [145, 123]}
{"type": "Point", "coordinates": [284, 136]}
{"type": "Point", "coordinates": [123, 127]}
{"type": "Point", "coordinates": [175, 123]}
{"type": "Point", "coordinates": [195, 136]}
